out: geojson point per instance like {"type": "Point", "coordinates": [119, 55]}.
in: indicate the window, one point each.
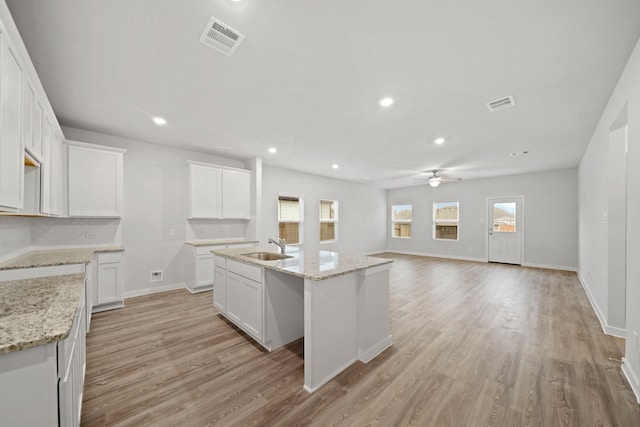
{"type": "Point", "coordinates": [290, 219]}
{"type": "Point", "coordinates": [328, 220]}
{"type": "Point", "coordinates": [401, 221]}
{"type": "Point", "coordinates": [504, 217]}
{"type": "Point", "coordinates": [445, 220]}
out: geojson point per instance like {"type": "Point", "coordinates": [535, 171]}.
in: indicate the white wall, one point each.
{"type": "Point", "coordinates": [550, 211]}
{"type": "Point", "coordinates": [155, 201]}
{"type": "Point", "coordinates": [593, 204]}
{"type": "Point", "coordinates": [361, 210]}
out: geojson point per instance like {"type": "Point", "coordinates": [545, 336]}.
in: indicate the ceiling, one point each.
{"type": "Point", "coordinates": [308, 77]}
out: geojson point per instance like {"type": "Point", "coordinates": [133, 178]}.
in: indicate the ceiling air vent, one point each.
{"type": "Point", "coordinates": [221, 37]}
{"type": "Point", "coordinates": [501, 104]}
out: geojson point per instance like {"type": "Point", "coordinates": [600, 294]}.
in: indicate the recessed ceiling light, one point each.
{"type": "Point", "coordinates": [272, 150]}
{"type": "Point", "coordinates": [386, 102]}
{"type": "Point", "coordinates": [335, 166]}
{"type": "Point", "coordinates": [159, 121]}
{"type": "Point", "coordinates": [439, 141]}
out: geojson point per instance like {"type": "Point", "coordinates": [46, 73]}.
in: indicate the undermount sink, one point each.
{"type": "Point", "coordinates": [267, 256]}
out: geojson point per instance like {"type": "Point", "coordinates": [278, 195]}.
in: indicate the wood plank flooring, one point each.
{"type": "Point", "coordinates": [474, 344]}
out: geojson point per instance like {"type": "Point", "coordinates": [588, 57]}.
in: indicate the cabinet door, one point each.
{"type": "Point", "coordinates": [234, 297]}
{"type": "Point", "coordinates": [56, 174]}
{"type": "Point", "coordinates": [220, 289]}
{"type": "Point", "coordinates": [109, 286]}
{"type": "Point", "coordinates": [95, 182]}
{"type": "Point", "coordinates": [46, 174]}
{"type": "Point", "coordinates": [236, 188]}
{"type": "Point", "coordinates": [11, 140]}
{"type": "Point", "coordinates": [205, 185]}
{"type": "Point", "coordinates": [253, 312]}
{"type": "Point", "coordinates": [204, 270]}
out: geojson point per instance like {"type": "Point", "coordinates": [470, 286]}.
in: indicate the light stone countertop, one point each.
{"type": "Point", "coordinates": [38, 311]}
{"type": "Point", "coordinates": [313, 265]}
{"type": "Point", "coordinates": [212, 242]}
{"type": "Point", "coordinates": [54, 257]}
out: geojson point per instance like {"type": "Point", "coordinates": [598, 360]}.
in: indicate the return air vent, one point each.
{"type": "Point", "coordinates": [221, 37]}
{"type": "Point", "coordinates": [501, 104]}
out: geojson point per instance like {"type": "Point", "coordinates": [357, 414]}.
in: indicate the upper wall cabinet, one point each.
{"type": "Point", "coordinates": [95, 180]}
{"type": "Point", "coordinates": [28, 130]}
{"type": "Point", "coordinates": [11, 111]}
{"type": "Point", "coordinates": [218, 192]}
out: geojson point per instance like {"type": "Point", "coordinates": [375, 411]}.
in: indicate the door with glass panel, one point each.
{"type": "Point", "coordinates": [506, 226]}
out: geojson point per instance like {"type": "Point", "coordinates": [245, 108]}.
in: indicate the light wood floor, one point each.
{"type": "Point", "coordinates": [474, 344]}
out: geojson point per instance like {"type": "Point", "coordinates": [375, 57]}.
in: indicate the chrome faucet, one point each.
{"type": "Point", "coordinates": [282, 244]}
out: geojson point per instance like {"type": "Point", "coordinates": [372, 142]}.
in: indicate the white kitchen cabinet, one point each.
{"type": "Point", "coordinates": [245, 297]}
{"type": "Point", "coordinates": [217, 192]}
{"type": "Point", "coordinates": [220, 285]}
{"type": "Point", "coordinates": [95, 180]}
{"type": "Point", "coordinates": [51, 169]}
{"type": "Point", "coordinates": [108, 287]}
{"type": "Point", "coordinates": [43, 385]}
{"type": "Point", "coordinates": [235, 303]}
{"type": "Point", "coordinates": [88, 286]}
{"type": "Point", "coordinates": [236, 189]}
{"type": "Point", "coordinates": [199, 274]}
{"type": "Point", "coordinates": [71, 370]}
{"type": "Point", "coordinates": [199, 265]}
{"type": "Point", "coordinates": [205, 191]}
{"type": "Point", "coordinates": [11, 113]}
{"type": "Point", "coordinates": [32, 120]}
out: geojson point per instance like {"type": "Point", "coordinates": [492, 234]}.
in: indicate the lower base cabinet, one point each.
{"type": "Point", "coordinates": [43, 385]}
{"type": "Point", "coordinates": [244, 297]}
{"type": "Point", "coordinates": [108, 283]}
{"type": "Point", "coordinates": [199, 265]}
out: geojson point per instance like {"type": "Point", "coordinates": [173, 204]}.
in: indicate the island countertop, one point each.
{"type": "Point", "coordinates": [38, 311]}
{"type": "Point", "coordinates": [313, 265]}
{"type": "Point", "coordinates": [55, 257]}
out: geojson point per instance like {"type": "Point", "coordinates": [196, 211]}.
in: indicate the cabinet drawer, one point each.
{"type": "Point", "coordinates": [206, 250]}
{"type": "Point", "coordinates": [109, 257]}
{"type": "Point", "coordinates": [245, 270]}
{"type": "Point", "coordinates": [219, 261]}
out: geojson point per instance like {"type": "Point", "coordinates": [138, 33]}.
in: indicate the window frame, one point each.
{"type": "Point", "coordinates": [455, 222]}
{"type": "Point", "coordinates": [300, 222]}
{"type": "Point", "coordinates": [402, 221]}
{"type": "Point", "coordinates": [333, 221]}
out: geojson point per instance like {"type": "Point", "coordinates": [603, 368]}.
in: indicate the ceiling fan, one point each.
{"type": "Point", "coordinates": [435, 179]}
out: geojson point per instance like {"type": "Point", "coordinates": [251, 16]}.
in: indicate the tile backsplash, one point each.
{"type": "Point", "coordinates": [215, 229]}
{"type": "Point", "coordinates": [75, 231]}
{"type": "Point", "coordinates": [14, 234]}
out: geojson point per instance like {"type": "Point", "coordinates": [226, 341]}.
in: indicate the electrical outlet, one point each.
{"type": "Point", "coordinates": [89, 236]}
{"type": "Point", "coordinates": [155, 276]}
{"type": "Point", "coordinates": [172, 232]}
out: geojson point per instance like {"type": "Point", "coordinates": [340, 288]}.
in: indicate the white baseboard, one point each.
{"type": "Point", "coordinates": [550, 267]}
{"type": "Point", "coordinates": [154, 290]}
{"type": "Point", "coordinates": [609, 330]}
{"type": "Point", "coordinates": [632, 378]}
{"type": "Point", "coordinates": [461, 258]}
{"type": "Point", "coordinates": [369, 354]}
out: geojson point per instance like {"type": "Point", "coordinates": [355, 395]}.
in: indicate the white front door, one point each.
{"type": "Point", "coordinates": [506, 224]}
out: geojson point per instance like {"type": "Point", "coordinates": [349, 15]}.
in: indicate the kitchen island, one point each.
{"type": "Point", "coordinates": [339, 303]}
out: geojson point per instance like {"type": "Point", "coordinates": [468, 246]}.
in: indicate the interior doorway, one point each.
{"type": "Point", "coordinates": [505, 217]}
